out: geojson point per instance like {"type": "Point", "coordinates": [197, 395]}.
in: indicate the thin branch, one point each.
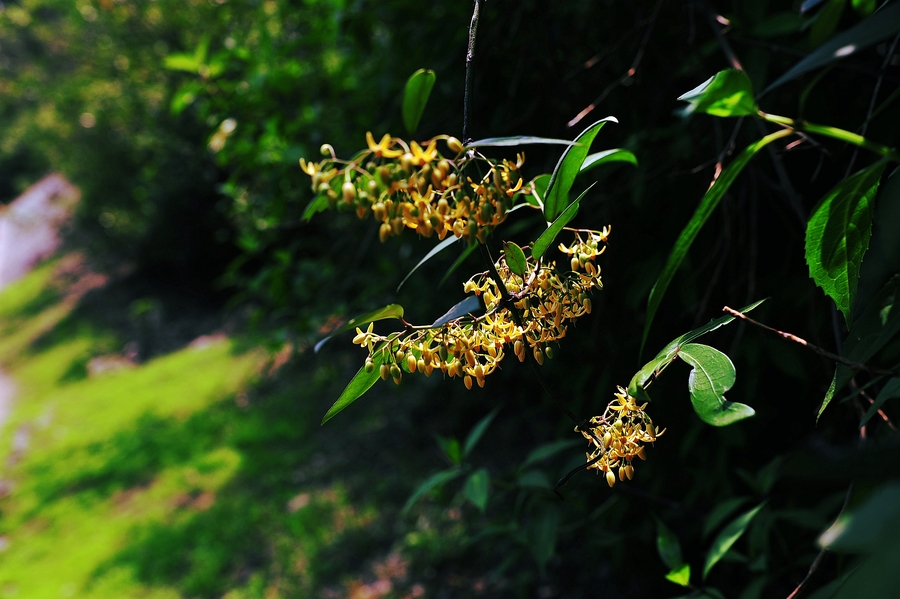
{"type": "Point", "coordinates": [470, 57]}
{"type": "Point", "coordinates": [878, 82]}
{"type": "Point", "coordinates": [815, 348]}
{"type": "Point", "coordinates": [628, 74]}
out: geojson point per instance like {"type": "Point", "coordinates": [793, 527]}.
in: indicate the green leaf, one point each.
{"type": "Point", "coordinates": [668, 546]}
{"type": "Point", "coordinates": [443, 245]}
{"type": "Point", "coordinates": [606, 156]}
{"type": "Point", "coordinates": [680, 575]}
{"type": "Point", "coordinates": [864, 7]}
{"type": "Point", "coordinates": [458, 262]}
{"type": "Point", "coordinates": [727, 93]}
{"type": "Point", "coordinates": [515, 258]}
{"type": "Point", "coordinates": [182, 62]}
{"type": "Point", "coordinates": [518, 140]}
{"type": "Point", "coordinates": [568, 167]}
{"type": "Point", "coordinates": [864, 528]}
{"type": "Point", "coordinates": [539, 184]}
{"type": "Point", "coordinates": [318, 204]}
{"type": "Point", "coordinates": [878, 323]}
{"type": "Point", "coordinates": [712, 375]}
{"type": "Point", "coordinates": [727, 538]}
{"type": "Point", "coordinates": [415, 96]}
{"type": "Point", "coordinates": [826, 22]}
{"type": "Point", "coordinates": [890, 391]}
{"type": "Point", "coordinates": [722, 511]}
{"type": "Point", "coordinates": [478, 431]}
{"type": "Point", "coordinates": [883, 258]}
{"type": "Point", "coordinates": [829, 395]}
{"type": "Point", "coordinates": [477, 488]}
{"type": "Point", "coordinates": [541, 534]}
{"type": "Point", "coordinates": [389, 311]}
{"type": "Point", "coordinates": [534, 479]}
{"type": "Point", "coordinates": [542, 452]}
{"type": "Point", "coordinates": [438, 479]}
{"type": "Point", "coordinates": [356, 388]}
{"type": "Point", "coordinates": [881, 25]}
{"type": "Point", "coordinates": [451, 449]}
{"type": "Point", "coordinates": [709, 202]}
{"type": "Point", "coordinates": [667, 354]}
{"type": "Point", "coordinates": [837, 236]}
{"type": "Point", "coordinates": [547, 237]}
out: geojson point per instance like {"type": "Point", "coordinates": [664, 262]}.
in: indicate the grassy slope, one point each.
{"type": "Point", "coordinates": [182, 477]}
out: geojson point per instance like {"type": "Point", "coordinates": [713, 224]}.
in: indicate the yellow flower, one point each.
{"type": "Point", "coordinates": [382, 148]}
{"type": "Point", "coordinates": [425, 156]}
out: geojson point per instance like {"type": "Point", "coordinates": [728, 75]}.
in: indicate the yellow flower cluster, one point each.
{"type": "Point", "coordinates": [408, 186]}
{"type": "Point", "coordinates": [617, 437]}
{"type": "Point", "coordinates": [533, 311]}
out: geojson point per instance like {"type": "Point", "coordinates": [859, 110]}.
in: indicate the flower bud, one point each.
{"type": "Point", "coordinates": [610, 479]}
{"type": "Point", "coordinates": [384, 231]}
{"type": "Point", "coordinates": [370, 364]}
{"type": "Point", "coordinates": [538, 355]}
{"type": "Point", "coordinates": [384, 371]}
{"type": "Point", "coordinates": [629, 471]}
{"type": "Point", "coordinates": [621, 472]}
{"type": "Point", "coordinates": [348, 190]}
{"type": "Point", "coordinates": [420, 364]}
{"type": "Point", "coordinates": [549, 352]}
{"type": "Point", "coordinates": [468, 381]}
{"type": "Point", "coordinates": [455, 145]}
{"type": "Point", "coordinates": [412, 363]}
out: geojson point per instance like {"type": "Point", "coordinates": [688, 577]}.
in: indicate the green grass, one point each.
{"type": "Point", "coordinates": [190, 475]}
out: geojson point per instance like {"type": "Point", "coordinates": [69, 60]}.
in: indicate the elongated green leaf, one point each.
{"type": "Point", "coordinates": [712, 375]}
{"type": "Point", "coordinates": [542, 535]}
{"type": "Point", "coordinates": [890, 391]}
{"type": "Point", "coordinates": [607, 156]}
{"type": "Point", "coordinates": [837, 236]}
{"type": "Point", "coordinates": [707, 205]}
{"type": "Point", "coordinates": [669, 352]}
{"type": "Point", "coordinates": [515, 258]}
{"type": "Point", "coordinates": [668, 546]}
{"type": "Point", "coordinates": [826, 22]}
{"type": "Point", "coordinates": [434, 481]}
{"type": "Point", "coordinates": [727, 538]}
{"type": "Point", "coordinates": [389, 311]}
{"type": "Point", "coordinates": [182, 62]}
{"type": "Point", "coordinates": [356, 388]}
{"type": "Point", "coordinates": [727, 93]}
{"type": "Point", "coordinates": [880, 26]}
{"type": "Point", "coordinates": [458, 262]}
{"type": "Point", "coordinates": [415, 96]}
{"type": "Point", "coordinates": [722, 511]}
{"type": "Point", "coordinates": [318, 204]}
{"type": "Point", "coordinates": [443, 245]}
{"type": "Point", "coordinates": [567, 169]}
{"type": "Point", "coordinates": [542, 452]}
{"type": "Point", "coordinates": [549, 236]}
{"type": "Point", "coordinates": [478, 431]}
{"type": "Point", "coordinates": [518, 140]}
{"type": "Point", "coordinates": [471, 305]}
{"type": "Point", "coordinates": [540, 184]}
{"type": "Point", "coordinates": [477, 489]}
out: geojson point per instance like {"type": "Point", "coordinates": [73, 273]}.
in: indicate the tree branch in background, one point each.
{"type": "Point", "coordinates": [815, 348]}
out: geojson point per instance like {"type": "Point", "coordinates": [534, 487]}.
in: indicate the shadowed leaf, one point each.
{"type": "Point", "coordinates": [729, 535]}
{"type": "Point", "coordinates": [549, 236]}
{"type": "Point", "coordinates": [477, 489]}
{"type": "Point", "coordinates": [356, 388]}
{"type": "Point", "coordinates": [515, 258]}
{"type": "Point", "coordinates": [389, 311]}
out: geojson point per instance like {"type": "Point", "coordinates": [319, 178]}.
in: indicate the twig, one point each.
{"type": "Point", "coordinates": [628, 74]}
{"type": "Point", "coordinates": [470, 56]}
{"type": "Point", "coordinates": [815, 348]}
{"type": "Point", "coordinates": [865, 125]}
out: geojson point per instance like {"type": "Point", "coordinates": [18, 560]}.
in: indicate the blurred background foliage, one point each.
{"type": "Point", "coordinates": [182, 123]}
